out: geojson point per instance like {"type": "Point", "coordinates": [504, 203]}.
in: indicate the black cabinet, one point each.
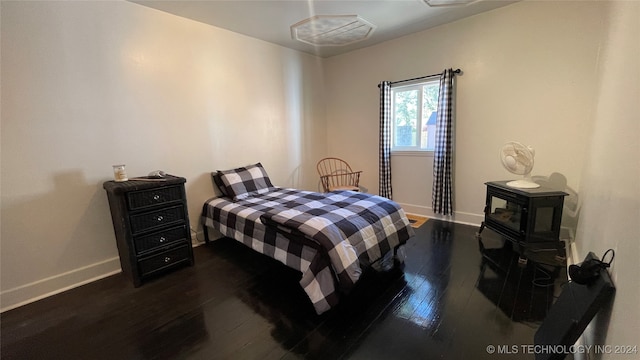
{"type": "Point", "coordinates": [151, 225]}
{"type": "Point", "coordinates": [526, 217]}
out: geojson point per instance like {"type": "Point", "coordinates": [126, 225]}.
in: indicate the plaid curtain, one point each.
{"type": "Point", "coordinates": [442, 196]}
{"type": "Point", "coordinates": [385, 139]}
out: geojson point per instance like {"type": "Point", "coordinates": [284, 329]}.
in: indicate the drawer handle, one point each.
{"type": "Point", "coordinates": [163, 239]}
{"type": "Point", "coordinates": [167, 259]}
{"type": "Point", "coordinates": [156, 197]}
{"type": "Point", "coordinates": [159, 218]}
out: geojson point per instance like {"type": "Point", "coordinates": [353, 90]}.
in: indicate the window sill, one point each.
{"type": "Point", "coordinates": [412, 153]}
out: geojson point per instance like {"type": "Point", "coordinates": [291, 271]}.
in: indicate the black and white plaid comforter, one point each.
{"type": "Point", "coordinates": [330, 237]}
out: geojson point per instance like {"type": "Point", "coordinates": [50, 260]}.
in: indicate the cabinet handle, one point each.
{"type": "Point", "coordinates": [159, 218]}
{"type": "Point", "coordinates": [156, 197]}
{"type": "Point", "coordinates": [162, 239]}
{"type": "Point", "coordinates": [167, 259]}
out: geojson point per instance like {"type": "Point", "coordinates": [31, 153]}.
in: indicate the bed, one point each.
{"type": "Point", "coordinates": [329, 237]}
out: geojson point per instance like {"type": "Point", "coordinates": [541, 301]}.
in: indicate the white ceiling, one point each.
{"type": "Point", "coordinates": [271, 20]}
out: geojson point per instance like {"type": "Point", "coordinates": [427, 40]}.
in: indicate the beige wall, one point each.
{"type": "Point", "coordinates": [611, 188]}
{"type": "Point", "coordinates": [529, 75]}
{"type": "Point", "coordinates": [86, 85]}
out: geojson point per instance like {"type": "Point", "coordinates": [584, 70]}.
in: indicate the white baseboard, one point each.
{"type": "Point", "coordinates": [37, 290]}
{"type": "Point", "coordinates": [572, 254]}
{"type": "Point", "coordinates": [198, 239]}
{"type": "Point", "coordinates": [28, 293]}
{"type": "Point", "coordinates": [458, 217]}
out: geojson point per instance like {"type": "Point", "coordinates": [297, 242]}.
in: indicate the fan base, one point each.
{"type": "Point", "coordinates": [523, 184]}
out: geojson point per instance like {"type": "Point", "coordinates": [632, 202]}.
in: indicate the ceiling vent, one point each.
{"type": "Point", "coordinates": [332, 30]}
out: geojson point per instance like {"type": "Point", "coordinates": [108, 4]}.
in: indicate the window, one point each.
{"type": "Point", "coordinates": [413, 115]}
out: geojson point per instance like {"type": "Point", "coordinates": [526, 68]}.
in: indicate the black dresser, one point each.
{"type": "Point", "coordinates": [151, 225]}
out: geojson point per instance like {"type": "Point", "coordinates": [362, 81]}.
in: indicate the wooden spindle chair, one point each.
{"type": "Point", "coordinates": [336, 174]}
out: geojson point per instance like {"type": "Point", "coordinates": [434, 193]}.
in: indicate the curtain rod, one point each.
{"type": "Point", "coordinates": [456, 71]}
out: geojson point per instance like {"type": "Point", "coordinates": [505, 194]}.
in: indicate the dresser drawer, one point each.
{"type": "Point", "coordinates": [164, 260]}
{"type": "Point", "coordinates": [146, 198]}
{"type": "Point", "coordinates": [161, 238]}
{"type": "Point", "coordinates": [155, 219]}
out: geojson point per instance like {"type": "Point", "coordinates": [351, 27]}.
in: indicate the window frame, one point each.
{"type": "Point", "coordinates": [415, 150]}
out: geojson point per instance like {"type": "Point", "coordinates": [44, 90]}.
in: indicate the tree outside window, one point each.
{"type": "Point", "coordinates": [414, 115]}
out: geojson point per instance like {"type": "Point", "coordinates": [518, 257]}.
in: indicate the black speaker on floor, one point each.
{"type": "Point", "coordinates": [578, 303]}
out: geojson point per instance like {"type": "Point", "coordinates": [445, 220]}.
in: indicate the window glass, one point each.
{"type": "Point", "coordinates": [414, 116]}
{"type": "Point", "coordinates": [406, 117]}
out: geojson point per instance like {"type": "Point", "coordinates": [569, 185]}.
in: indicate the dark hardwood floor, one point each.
{"type": "Point", "coordinates": [446, 302]}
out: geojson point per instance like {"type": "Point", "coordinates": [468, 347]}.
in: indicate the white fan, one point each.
{"type": "Point", "coordinates": [518, 159]}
